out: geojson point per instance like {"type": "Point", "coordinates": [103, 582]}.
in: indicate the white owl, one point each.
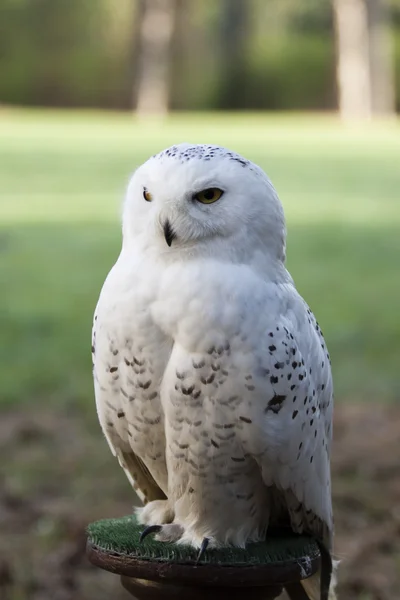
{"type": "Point", "coordinates": [212, 377]}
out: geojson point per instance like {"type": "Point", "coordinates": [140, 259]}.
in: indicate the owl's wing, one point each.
{"type": "Point", "coordinates": [114, 429]}
{"type": "Point", "coordinates": [118, 424]}
{"type": "Point", "coordinates": [291, 437]}
{"type": "Point", "coordinates": [139, 476]}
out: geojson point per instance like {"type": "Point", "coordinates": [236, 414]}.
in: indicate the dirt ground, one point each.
{"type": "Point", "coordinates": [57, 475]}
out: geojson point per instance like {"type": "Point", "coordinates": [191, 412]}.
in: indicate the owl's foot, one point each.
{"type": "Point", "coordinates": [148, 530]}
{"type": "Point", "coordinates": [156, 512]}
{"type": "Point", "coordinates": [158, 515]}
{"type": "Point", "coordinates": [203, 548]}
{"type": "Point", "coordinates": [171, 532]}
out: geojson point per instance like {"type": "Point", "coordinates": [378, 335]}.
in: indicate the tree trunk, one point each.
{"type": "Point", "coordinates": [233, 32]}
{"type": "Point", "coordinates": [364, 59]}
{"type": "Point", "coordinates": [353, 72]}
{"type": "Point", "coordinates": [157, 19]}
{"type": "Point", "coordinates": [381, 58]}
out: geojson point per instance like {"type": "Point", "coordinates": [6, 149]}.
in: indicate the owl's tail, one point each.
{"type": "Point", "coordinates": [312, 585]}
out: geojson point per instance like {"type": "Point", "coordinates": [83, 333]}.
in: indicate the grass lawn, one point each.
{"type": "Point", "coordinates": [62, 178]}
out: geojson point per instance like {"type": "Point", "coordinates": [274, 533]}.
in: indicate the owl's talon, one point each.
{"type": "Point", "coordinates": [148, 530]}
{"type": "Point", "coordinates": [203, 548]}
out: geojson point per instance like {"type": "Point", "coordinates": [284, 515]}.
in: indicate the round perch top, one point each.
{"type": "Point", "coordinates": [283, 558]}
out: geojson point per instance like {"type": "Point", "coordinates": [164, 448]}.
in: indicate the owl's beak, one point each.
{"type": "Point", "coordinates": [169, 233]}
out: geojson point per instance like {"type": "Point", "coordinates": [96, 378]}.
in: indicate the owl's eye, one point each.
{"type": "Point", "coordinates": [147, 196]}
{"type": "Point", "coordinates": [209, 195]}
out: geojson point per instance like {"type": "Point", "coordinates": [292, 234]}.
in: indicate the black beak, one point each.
{"type": "Point", "coordinates": [168, 233]}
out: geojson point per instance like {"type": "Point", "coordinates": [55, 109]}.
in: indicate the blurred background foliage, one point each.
{"type": "Point", "coordinates": [281, 56]}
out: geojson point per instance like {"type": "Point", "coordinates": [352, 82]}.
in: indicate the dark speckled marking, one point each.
{"type": "Point", "coordinates": [138, 371]}
{"type": "Point", "coordinates": [144, 385]}
{"type": "Point", "coordinates": [275, 404]}
{"type": "Point", "coordinates": [199, 365]}
{"type": "Point", "coordinates": [203, 152]}
{"type": "Point", "coordinates": [187, 391]}
{"type": "Point", "coordinates": [245, 419]}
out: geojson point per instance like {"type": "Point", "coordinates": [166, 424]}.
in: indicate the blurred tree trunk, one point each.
{"type": "Point", "coordinates": [234, 23]}
{"type": "Point", "coordinates": [381, 57]}
{"type": "Point", "coordinates": [364, 58]}
{"type": "Point", "coordinates": [353, 73]}
{"type": "Point", "coordinates": [156, 26]}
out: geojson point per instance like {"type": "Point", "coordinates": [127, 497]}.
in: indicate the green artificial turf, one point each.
{"type": "Point", "coordinates": [122, 536]}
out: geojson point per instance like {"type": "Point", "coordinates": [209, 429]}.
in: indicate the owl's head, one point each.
{"type": "Point", "coordinates": [200, 198]}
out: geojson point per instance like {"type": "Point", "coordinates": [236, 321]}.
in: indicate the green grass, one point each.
{"type": "Point", "coordinates": [62, 178]}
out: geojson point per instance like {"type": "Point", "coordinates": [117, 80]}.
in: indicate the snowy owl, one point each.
{"type": "Point", "coordinates": [212, 378]}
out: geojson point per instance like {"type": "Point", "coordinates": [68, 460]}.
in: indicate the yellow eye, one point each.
{"type": "Point", "coordinates": [209, 195]}
{"type": "Point", "coordinates": [147, 196]}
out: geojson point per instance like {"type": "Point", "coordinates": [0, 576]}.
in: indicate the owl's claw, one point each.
{"type": "Point", "coordinates": [172, 533]}
{"type": "Point", "coordinates": [148, 530]}
{"type": "Point", "coordinates": [203, 548]}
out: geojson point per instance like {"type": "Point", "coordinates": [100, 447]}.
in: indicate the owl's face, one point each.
{"type": "Point", "coordinates": [192, 197]}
